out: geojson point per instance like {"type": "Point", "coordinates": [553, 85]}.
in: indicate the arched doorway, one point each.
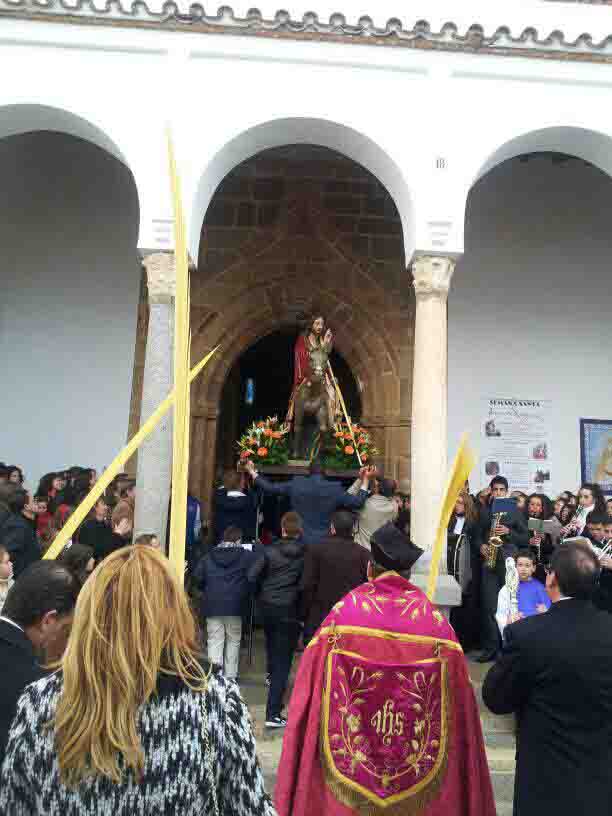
{"type": "Point", "coordinates": [259, 385]}
{"type": "Point", "coordinates": [69, 220]}
{"type": "Point", "coordinates": [530, 305]}
{"type": "Point", "coordinates": [292, 231]}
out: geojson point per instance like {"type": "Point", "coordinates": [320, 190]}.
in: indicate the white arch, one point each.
{"type": "Point", "coordinates": [590, 145]}
{"type": "Point", "coordinates": [312, 131]}
{"type": "Point", "coordinates": [28, 118]}
{"type": "Point", "coordinates": [25, 118]}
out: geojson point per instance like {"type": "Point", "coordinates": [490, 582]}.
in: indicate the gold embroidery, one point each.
{"type": "Point", "coordinates": [387, 722]}
{"type": "Point", "coordinates": [366, 631]}
{"type": "Point", "coordinates": [351, 742]}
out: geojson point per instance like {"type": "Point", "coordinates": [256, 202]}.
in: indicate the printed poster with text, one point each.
{"type": "Point", "coordinates": [516, 443]}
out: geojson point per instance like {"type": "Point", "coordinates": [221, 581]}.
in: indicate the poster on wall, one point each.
{"type": "Point", "coordinates": [596, 452]}
{"type": "Point", "coordinates": [516, 443]}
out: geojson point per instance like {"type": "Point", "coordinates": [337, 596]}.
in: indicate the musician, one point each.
{"type": "Point", "coordinates": [463, 554]}
{"type": "Point", "coordinates": [512, 529]}
{"type": "Point", "coordinates": [603, 596]}
{"type": "Point", "coordinates": [590, 500]}
{"type": "Point", "coordinates": [532, 598]}
{"type": "Point", "coordinates": [541, 544]}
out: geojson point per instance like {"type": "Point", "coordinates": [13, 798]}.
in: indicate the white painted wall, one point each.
{"type": "Point", "coordinates": [69, 279]}
{"type": "Point", "coordinates": [531, 302]}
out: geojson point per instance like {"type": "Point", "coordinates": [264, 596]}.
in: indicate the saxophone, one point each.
{"type": "Point", "coordinates": [495, 542]}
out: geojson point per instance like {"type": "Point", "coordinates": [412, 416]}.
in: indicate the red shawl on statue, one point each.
{"type": "Point", "coordinates": [383, 718]}
{"type": "Point", "coordinates": [301, 370]}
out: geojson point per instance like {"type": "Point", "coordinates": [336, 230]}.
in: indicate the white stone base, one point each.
{"type": "Point", "coordinates": [448, 591]}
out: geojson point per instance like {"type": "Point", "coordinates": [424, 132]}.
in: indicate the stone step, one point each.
{"type": "Point", "coordinates": [501, 759]}
{"type": "Point", "coordinates": [499, 740]}
{"type": "Point", "coordinates": [503, 786]}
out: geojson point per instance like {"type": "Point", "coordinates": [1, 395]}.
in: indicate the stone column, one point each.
{"type": "Point", "coordinates": [429, 472]}
{"type": "Point", "coordinates": [155, 455]}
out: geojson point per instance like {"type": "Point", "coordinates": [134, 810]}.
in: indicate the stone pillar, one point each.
{"type": "Point", "coordinates": [155, 455]}
{"type": "Point", "coordinates": [429, 471]}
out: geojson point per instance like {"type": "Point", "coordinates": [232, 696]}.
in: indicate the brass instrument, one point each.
{"type": "Point", "coordinates": [495, 542]}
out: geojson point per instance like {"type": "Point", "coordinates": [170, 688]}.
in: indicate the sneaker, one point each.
{"type": "Point", "coordinates": [276, 722]}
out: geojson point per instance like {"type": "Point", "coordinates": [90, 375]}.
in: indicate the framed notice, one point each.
{"type": "Point", "coordinates": [596, 452]}
{"type": "Point", "coordinates": [516, 442]}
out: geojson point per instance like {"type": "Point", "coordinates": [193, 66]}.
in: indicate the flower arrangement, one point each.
{"type": "Point", "coordinates": [342, 447]}
{"type": "Point", "coordinates": [265, 443]}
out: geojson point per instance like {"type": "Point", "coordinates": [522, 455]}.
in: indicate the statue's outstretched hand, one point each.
{"type": "Point", "coordinates": [328, 337]}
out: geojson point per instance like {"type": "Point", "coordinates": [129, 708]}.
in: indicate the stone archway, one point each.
{"type": "Point", "coordinates": [308, 242]}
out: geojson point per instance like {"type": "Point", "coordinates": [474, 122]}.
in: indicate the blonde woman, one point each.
{"type": "Point", "coordinates": [133, 722]}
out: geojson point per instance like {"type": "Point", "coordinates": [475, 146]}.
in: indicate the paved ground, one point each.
{"type": "Point", "coordinates": [498, 731]}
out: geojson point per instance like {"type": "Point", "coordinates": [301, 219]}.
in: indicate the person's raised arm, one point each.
{"type": "Point", "coordinates": [273, 488]}
{"type": "Point", "coordinates": [358, 500]}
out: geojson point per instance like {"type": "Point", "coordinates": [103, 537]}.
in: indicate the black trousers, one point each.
{"type": "Point", "coordinates": [491, 581]}
{"type": "Point", "coordinates": [281, 630]}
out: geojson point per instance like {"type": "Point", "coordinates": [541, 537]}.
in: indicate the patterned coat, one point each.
{"type": "Point", "coordinates": [175, 779]}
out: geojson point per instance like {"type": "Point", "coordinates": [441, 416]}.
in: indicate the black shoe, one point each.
{"type": "Point", "coordinates": [276, 722]}
{"type": "Point", "coordinates": [486, 657]}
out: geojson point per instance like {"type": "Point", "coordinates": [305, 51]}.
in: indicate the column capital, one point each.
{"type": "Point", "coordinates": [161, 276]}
{"type": "Point", "coordinates": [432, 275]}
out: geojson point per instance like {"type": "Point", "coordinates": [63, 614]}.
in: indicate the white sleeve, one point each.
{"type": "Point", "coordinates": [197, 523]}
{"type": "Point", "coordinates": [503, 609]}
{"type": "Point", "coordinates": [355, 487]}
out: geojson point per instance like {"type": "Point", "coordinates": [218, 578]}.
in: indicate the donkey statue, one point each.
{"type": "Point", "coordinates": [311, 399]}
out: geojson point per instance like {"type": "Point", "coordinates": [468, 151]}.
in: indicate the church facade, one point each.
{"type": "Point", "coordinates": [436, 184]}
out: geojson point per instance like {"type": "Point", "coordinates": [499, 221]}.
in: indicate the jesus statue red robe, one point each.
{"type": "Point", "coordinates": [383, 718]}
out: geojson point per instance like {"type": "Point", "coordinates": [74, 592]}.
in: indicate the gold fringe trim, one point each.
{"type": "Point", "coordinates": [411, 803]}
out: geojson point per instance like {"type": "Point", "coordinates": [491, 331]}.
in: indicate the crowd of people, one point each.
{"type": "Point", "coordinates": [158, 696]}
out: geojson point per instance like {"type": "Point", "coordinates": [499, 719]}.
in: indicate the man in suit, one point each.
{"type": "Point", "coordinates": [37, 615]}
{"type": "Point", "coordinates": [556, 674]}
{"type": "Point", "coordinates": [513, 531]}
{"type": "Point", "coordinates": [332, 567]}
{"type": "Point", "coordinates": [314, 497]}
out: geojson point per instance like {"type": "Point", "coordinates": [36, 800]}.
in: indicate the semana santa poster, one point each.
{"type": "Point", "coordinates": [516, 442]}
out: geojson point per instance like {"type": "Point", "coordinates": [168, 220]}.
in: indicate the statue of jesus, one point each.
{"type": "Point", "coordinates": [316, 336]}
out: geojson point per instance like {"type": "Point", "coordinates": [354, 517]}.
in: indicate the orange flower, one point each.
{"type": "Point", "coordinates": [252, 441]}
{"type": "Point", "coordinates": [245, 454]}
{"type": "Point", "coordinates": [361, 440]}
{"type": "Point", "coordinates": [347, 436]}
{"type": "Point", "coordinates": [349, 450]}
{"type": "Point", "coordinates": [268, 432]}
{"type": "Point", "coordinates": [339, 435]}
{"type": "Point", "coordinates": [276, 435]}
{"type": "Point", "coordinates": [364, 457]}
{"type": "Point", "coordinates": [261, 424]}
{"type": "Point", "coordinates": [262, 452]}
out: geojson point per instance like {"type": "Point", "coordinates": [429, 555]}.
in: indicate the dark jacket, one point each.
{"type": "Point", "coordinates": [279, 573]}
{"type": "Point", "coordinates": [19, 667]}
{"type": "Point", "coordinates": [235, 511]}
{"type": "Point", "coordinates": [19, 538]}
{"type": "Point", "coordinates": [556, 674]}
{"type": "Point", "coordinates": [315, 498]}
{"type": "Point", "coordinates": [99, 536]}
{"type": "Point", "coordinates": [222, 577]}
{"type": "Point", "coordinates": [516, 539]}
{"type": "Point", "coordinates": [332, 567]}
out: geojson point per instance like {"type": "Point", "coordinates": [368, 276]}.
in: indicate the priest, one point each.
{"type": "Point", "coordinates": [383, 717]}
